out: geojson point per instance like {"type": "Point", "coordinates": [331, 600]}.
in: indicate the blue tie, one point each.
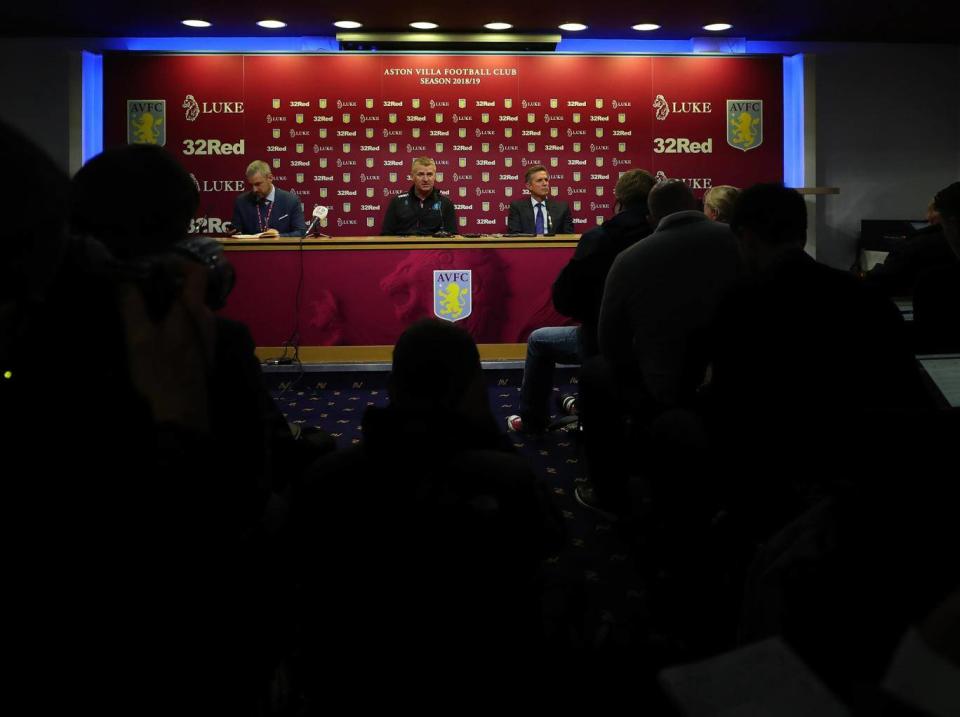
{"type": "Point", "coordinates": [539, 220]}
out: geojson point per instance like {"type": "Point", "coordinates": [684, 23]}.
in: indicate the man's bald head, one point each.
{"type": "Point", "coordinates": [668, 198]}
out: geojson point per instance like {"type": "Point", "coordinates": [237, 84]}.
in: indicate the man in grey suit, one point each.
{"type": "Point", "coordinates": [539, 214]}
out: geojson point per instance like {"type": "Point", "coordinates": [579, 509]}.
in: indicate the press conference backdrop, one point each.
{"type": "Point", "coordinates": [340, 130]}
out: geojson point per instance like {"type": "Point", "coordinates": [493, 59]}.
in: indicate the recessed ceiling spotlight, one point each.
{"type": "Point", "coordinates": [646, 27]}
{"type": "Point", "coordinates": [195, 23]}
{"type": "Point", "coordinates": [272, 24]}
{"type": "Point", "coordinates": [347, 24]}
{"type": "Point", "coordinates": [424, 25]}
{"type": "Point", "coordinates": [573, 27]}
{"type": "Point", "coordinates": [498, 26]}
{"type": "Point", "coordinates": [717, 27]}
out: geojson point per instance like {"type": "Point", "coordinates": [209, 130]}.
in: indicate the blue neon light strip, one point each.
{"type": "Point", "coordinates": [91, 113]}
{"type": "Point", "coordinates": [225, 44]}
{"type": "Point", "coordinates": [793, 147]}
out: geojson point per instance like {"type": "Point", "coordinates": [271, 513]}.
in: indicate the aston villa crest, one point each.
{"type": "Point", "coordinates": [146, 122]}
{"type": "Point", "coordinates": [452, 294]}
{"type": "Point", "coordinates": [744, 124]}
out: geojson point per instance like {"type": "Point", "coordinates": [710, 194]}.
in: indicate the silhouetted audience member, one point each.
{"type": "Point", "coordinates": [428, 535]}
{"type": "Point", "coordinates": [147, 231]}
{"type": "Point", "coordinates": [119, 573]}
{"type": "Point", "coordinates": [924, 249]}
{"type": "Point", "coordinates": [936, 298]}
{"type": "Point", "coordinates": [577, 293]}
{"type": "Point", "coordinates": [800, 349]}
{"type": "Point", "coordinates": [659, 295]}
{"type": "Point", "coordinates": [718, 202]}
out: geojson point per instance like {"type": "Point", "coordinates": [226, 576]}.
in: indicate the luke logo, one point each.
{"type": "Point", "coordinates": [146, 122]}
{"type": "Point", "coordinates": [744, 124]}
{"type": "Point", "coordinates": [192, 109]}
{"type": "Point", "coordinates": [452, 294]}
{"type": "Point", "coordinates": [660, 105]}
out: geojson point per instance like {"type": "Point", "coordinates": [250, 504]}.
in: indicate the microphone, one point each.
{"type": "Point", "coordinates": [319, 214]}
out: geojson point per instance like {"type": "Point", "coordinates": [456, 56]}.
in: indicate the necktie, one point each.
{"type": "Point", "coordinates": [539, 219]}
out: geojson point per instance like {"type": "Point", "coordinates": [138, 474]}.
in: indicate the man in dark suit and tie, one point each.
{"type": "Point", "coordinates": [539, 214]}
{"type": "Point", "coordinates": [266, 210]}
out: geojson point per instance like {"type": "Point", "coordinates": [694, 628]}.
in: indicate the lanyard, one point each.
{"type": "Point", "coordinates": [264, 221]}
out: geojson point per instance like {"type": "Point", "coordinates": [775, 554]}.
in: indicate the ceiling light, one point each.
{"type": "Point", "coordinates": [195, 23]}
{"type": "Point", "coordinates": [424, 25]}
{"type": "Point", "coordinates": [347, 24]}
{"type": "Point", "coordinates": [717, 27]}
{"type": "Point", "coordinates": [498, 26]}
{"type": "Point", "coordinates": [646, 27]}
{"type": "Point", "coordinates": [272, 24]}
{"type": "Point", "coordinates": [573, 27]}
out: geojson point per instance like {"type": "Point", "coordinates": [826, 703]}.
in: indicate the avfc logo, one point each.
{"type": "Point", "coordinates": [577, 205]}
{"type": "Point", "coordinates": [299, 177]}
{"type": "Point", "coordinates": [744, 124]}
{"type": "Point", "coordinates": [508, 191]}
{"type": "Point", "coordinates": [276, 163]}
{"type": "Point", "coordinates": [452, 294]}
{"type": "Point", "coordinates": [146, 122]}
{"type": "Point", "coordinates": [370, 222]}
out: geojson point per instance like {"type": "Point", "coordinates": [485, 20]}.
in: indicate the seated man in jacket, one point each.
{"type": "Point", "coordinates": [577, 293]}
{"type": "Point", "coordinates": [266, 209]}
{"type": "Point", "coordinates": [539, 214]}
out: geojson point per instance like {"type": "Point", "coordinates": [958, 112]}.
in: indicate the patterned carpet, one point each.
{"type": "Point", "coordinates": [593, 596]}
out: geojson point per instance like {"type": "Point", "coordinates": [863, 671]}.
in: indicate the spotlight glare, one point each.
{"type": "Point", "coordinates": [717, 27]}
{"type": "Point", "coordinates": [272, 24]}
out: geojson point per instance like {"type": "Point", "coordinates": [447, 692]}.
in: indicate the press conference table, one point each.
{"type": "Point", "coordinates": [360, 292]}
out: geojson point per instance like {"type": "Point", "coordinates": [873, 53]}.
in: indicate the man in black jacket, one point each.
{"type": "Point", "coordinates": [577, 293]}
{"type": "Point", "coordinates": [422, 210]}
